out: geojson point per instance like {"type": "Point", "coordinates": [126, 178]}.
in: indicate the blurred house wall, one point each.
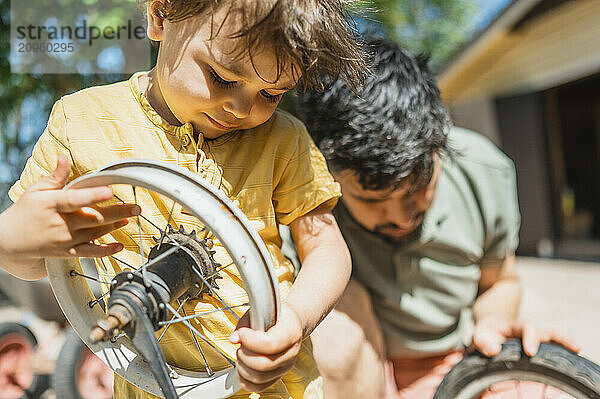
{"type": "Point", "coordinates": [499, 85]}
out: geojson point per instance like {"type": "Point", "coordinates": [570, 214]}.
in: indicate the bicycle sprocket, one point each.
{"type": "Point", "coordinates": [200, 250]}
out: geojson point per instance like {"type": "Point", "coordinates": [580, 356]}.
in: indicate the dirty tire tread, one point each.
{"type": "Point", "coordinates": [552, 360]}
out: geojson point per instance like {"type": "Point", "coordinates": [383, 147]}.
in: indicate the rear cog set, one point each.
{"type": "Point", "coordinates": [199, 249]}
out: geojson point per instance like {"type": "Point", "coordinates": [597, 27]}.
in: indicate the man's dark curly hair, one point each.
{"type": "Point", "coordinates": [391, 131]}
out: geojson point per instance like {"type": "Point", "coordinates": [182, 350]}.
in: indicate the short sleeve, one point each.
{"type": "Point", "coordinates": [502, 230]}
{"type": "Point", "coordinates": [51, 144]}
{"type": "Point", "coordinates": [305, 182]}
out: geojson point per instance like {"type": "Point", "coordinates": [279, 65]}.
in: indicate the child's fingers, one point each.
{"type": "Point", "coordinates": [89, 217]}
{"type": "Point", "coordinates": [276, 340]}
{"type": "Point", "coordinates": [260, 380]}
{"type": "Point", "coordinates": [89, 250]}
{"type": "Point", "coordinates": [71, 200]}
{"type": "Point", "coordinates": [253, 387]}
{"type": "Point", "coordinates": [244, 321]}
{"type": "Point", "coordinates": [86, 235]}
{"type": "Point", "coordinates": [266, 363]}
{"type": "Point", "coordinates": [57, 179]}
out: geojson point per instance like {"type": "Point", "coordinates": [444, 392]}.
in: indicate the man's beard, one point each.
{"type": "Point", "coordinates": [412, 236]}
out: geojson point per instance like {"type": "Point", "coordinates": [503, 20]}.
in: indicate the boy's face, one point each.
{"type": "Point", "coordinates": [393, 214]}
{"type": "Point", "coordinates": [199, 81]}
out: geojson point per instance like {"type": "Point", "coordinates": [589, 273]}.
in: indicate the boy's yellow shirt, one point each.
{"type": "Point", "coordinates": [274, 172]}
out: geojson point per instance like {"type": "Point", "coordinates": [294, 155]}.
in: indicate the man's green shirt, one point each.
{"type": "Point", "coordinates": [423, 289]}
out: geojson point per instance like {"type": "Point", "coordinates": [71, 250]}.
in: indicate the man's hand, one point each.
{"type": "Point", "coordinates": [489, 336]}
{"type": "Point", "coordinates": [48, 221]}
{"type": "Point", "coordinates": [264, 357]}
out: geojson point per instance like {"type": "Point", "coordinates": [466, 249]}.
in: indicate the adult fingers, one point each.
{"type": "Point", "coordinates": [89, 217]}
{"type": "Point", "coordinates": [487, 342]}
{"type": "Point", "coordinates": [57, 179]}
{"type": "Point", "coordinates": [565, 341]}
{"type": "Point", "coordinates": [529, 335]}
{"type": "Point", "coordinates": [558, 338]}
{"type": "Point", "coordinates": [71, 200]}
{"type": "Point", "coordinates": [89, 250]}
{"type": "Point", "coordinates": [532, 338]}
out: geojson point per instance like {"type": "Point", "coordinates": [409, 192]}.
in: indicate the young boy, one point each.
{"type": "Point", "coordinates": [209, 106]}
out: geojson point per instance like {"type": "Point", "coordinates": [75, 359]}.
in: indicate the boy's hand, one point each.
{"type": "Point", "coordinates": [50, 222]}
{"type": "Point", "coordinates": [264, 357]}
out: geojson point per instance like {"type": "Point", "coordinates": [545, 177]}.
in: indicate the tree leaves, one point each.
{"type": "Point", "coordinates": [436, 28]}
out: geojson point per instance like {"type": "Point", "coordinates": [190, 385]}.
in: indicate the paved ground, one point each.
{"type": "Point", "coordinates": [557, 294]}
{"type": "Point", "coordinates": [565, 296]}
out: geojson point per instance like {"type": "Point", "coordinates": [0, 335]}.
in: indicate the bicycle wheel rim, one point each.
{"type": "Point", "coordinates": [225, 221]}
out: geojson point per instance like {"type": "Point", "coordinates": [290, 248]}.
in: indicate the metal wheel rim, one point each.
{"type": "Point", "coordinates": [226, 222]}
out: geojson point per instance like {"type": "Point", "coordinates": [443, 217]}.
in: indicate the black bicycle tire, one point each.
{"type": "Point", "coordinates": [551, 360]}
{"type": "Point", "coordinates": [40, 382]}
{"type": "Point", "coordinates": [64, 379]}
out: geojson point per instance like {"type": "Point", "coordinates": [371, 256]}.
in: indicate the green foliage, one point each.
{"type": "Point", "coordinates": [433, 27]}
{"type": "Point", "coordinates": [26, 100]}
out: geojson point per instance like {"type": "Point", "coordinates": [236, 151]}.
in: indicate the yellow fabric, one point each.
{"type": "Point", "coordinates": [273, 172]}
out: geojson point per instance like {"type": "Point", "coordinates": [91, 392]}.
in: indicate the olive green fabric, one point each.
{"type": "Point", "coordinates": [423, 289]}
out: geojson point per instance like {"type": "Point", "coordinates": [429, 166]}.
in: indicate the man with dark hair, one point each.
{"type": "Point", "coordinates": [430, 214]}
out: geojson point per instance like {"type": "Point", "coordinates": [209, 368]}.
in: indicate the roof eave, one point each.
{"type": "Point", "coordinates": [511, 15]}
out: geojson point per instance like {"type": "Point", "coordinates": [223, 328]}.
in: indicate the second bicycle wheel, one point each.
{"type": "Point", "coordinates": [180, 211]}
{"type": "Point", "coordinates": [553, 373]}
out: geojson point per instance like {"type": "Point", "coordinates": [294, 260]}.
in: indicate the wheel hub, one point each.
{"type": "Point", "coordinates": [201, 254]}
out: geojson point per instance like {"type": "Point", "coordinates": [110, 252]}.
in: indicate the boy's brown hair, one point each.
{"type": "Point", "coordinates": [315, 38]}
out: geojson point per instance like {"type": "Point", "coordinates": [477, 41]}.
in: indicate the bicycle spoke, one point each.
{"type": "Point", "coordinates": [208, 369]}
{"type": "Point", "coordinates": [165, 330]}
{"type": "Point", "coordinates": [93, 303]}
{"type": "Point", "coordinates": [158, 258]}
{"type": "Point", "coordinates": [187, 323]}
{"type": "Point", "coordinates": [518, 389]}
{"type": "Point", "coordinates": [142, 255]}
{"type": "Point", "coordinates": [123, 262]}
{"type": "Point", "coordinates": [172, 373]}
{"type": "Point", "coordinates": [104, 266]}
{"type": "Point", "coordinates": [142, 216]}
{"type": "Point", "coordinates": [163, 233]}
{"type": "Point", "coordinates": [215, 293]}
{"type": "Point", "coordinates": [219, 269]}
{"type": "Point", "coordinates": [74, 273]}
{"type": "Point", "coordinates": [195, 316]}
{"type": "Point", "coordinates": [116, 337]}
